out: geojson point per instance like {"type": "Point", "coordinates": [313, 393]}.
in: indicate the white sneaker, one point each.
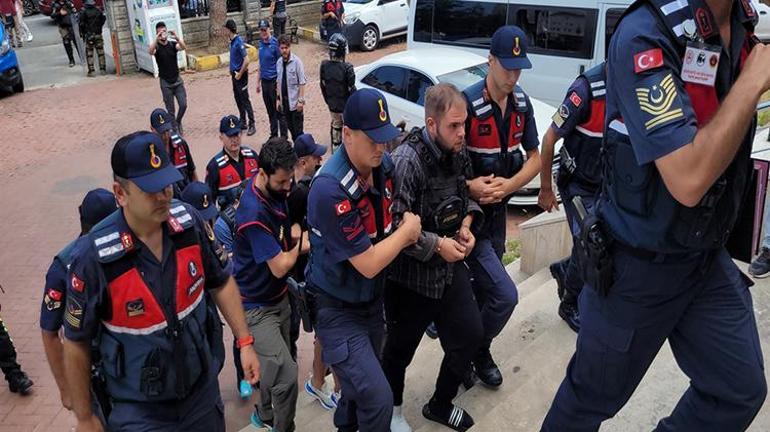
{"type": "Point", "coordinates": [398, 421]}
{"type": "Point", "coordinates": [324, 397]}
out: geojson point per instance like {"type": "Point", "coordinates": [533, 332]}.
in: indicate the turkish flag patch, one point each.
{"type": "Point", "coordinates": [343, 207]}
{"type": "Point", "coordinates": [77, 284]}
{"type": "Point", "coordinates": [647, 60]}
{"type": "Point", "coordinates": [575, 99]}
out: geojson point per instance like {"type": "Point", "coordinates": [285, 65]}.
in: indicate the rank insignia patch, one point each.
{"type": "Point", "coordinates": [135, 308]}
{"type": "Point", "coordinates": [660, 101]}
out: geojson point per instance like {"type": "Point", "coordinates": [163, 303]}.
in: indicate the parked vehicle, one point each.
{"type": "Point", "coordinates": [566, 37]}
{"type": "Point", "coordinates": [405, 76]}
{"type": "Point", "coordinates": [30, 7]}
{"type": "Point", "coordinates": [45, 6]}
{"type": "Point", "coordinates": [762, 31]}
{"type": "Point", "coordinates": [367, 22]}
{"type": "Point", "coordinates": [10, 74]}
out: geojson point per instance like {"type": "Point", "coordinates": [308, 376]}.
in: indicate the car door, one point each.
{"type": "Point", "coordinates": [417, 84]}
{"type": "Point", "coordinates": [610, 14]}
{"type": "Point", "coordinates": [391, 81]}
{"type": "Point", "coordinates": [561, 46]}
{"type": "Point", "coordinates": [394, 16]}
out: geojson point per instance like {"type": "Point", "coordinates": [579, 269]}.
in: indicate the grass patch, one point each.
{"type": "Point", "coordinates": [764, 115]}
{"type": "Point", "coordinates": [512, 251]}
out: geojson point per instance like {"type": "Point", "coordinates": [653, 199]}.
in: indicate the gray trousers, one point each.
{"type": "Point", "coordinates": [278, 371]}
{"type": "Point", "coordinates": [171, 91]}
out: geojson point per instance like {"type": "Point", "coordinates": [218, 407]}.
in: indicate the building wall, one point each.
{"type": "Point", "coordinates": [196, 30]}
{"type": "Point", "coordinates": [123, 43]}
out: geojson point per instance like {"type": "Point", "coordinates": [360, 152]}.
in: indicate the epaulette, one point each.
{"type": "Point", "coordinates": [480, 107]}
{"type": "Point", "coordinates": [179, 218]}
{"type": "Point", "coordinates": [222, 159]}
{"type": "Point", "coordinates": [521, 99]}
{"type": "Point", "coordinates": [248, 152]}
{"type": "Point", "coordinates": [109, 242]}
{"type": "Point", "coordinates": [176, 139]}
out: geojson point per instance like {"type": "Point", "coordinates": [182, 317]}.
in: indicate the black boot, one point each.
{"type": "Point", "coordinates": [487, 370]}
{"type": "Point", "coordinates": [18, 382]}
{"type": "Point", "coordinates": [568, 311]}
{"type": "Point", "coordinates": [558, 272]}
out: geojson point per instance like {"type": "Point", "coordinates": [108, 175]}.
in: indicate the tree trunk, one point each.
{"type": "Point", "coordinates": [218, 35]}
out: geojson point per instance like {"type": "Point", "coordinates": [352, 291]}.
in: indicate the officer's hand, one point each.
{"type": "Point", "coordinates": [466, 238]}
{"type": "Point", "coordinates": [250, 363]}
{"type": "Point", "coordinates": [758, 64]}
{"type": "Point", "coordinates": [451, 250]}
{"type": "Point", "coordinates": [478, 185]}
{"type": "Point", "coordinates": [92, 424]}
{"type": "Point", "coordinates": [496, 190]}
{"type": "Point", "coordinates": [411, 226]}
{"type": "Point", "coordinates": [546, 199]}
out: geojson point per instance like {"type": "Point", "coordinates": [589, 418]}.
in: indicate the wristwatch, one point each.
{"type": "Point", "coordinates": [301, 100]}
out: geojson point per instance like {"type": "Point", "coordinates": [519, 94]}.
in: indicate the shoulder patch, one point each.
{"type": "Point", "coordinates": [343, 207]}
{"type": "Point", "coordinates": [575, 99]}
{"type": "Point", "coordinates": [659, 101]}
{"type": "Point", "coordinates": [647, 60]}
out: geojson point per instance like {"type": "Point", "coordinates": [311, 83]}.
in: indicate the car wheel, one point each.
{"type": "Point", "coordinates": [19, 88]}
{"type": "Point", "coordinates": [30, 7]}
{"type": "Point", "coordinates": [370, 38]}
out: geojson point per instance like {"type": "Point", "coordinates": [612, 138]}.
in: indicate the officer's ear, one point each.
{"type": "Point", "coordinates": [432, 126]}
{"type": "Point", "coordinates": [120, 189]}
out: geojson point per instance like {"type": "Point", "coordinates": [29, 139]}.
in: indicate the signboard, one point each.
{"type": "Point", "coordinates": [143, 15]}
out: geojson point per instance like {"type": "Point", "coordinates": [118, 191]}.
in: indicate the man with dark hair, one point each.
{"type": "Point", "coordinates": [138, 282]}
{"type": "Point", "coordinates": [430, 281]}
{"type": "Point", "coordinates": [230, 167]}
{"type": "Point", "coordinates": [162, 123]}
{"type": "Point", "coordinates": [269, 54]}
{"type": "Point", "coordinates": [239, 72]}
{"type": "Point", "coordinates": [97, 205]}
{"type": "Point", "coordinates": [266, 248]}
{"type": "Point", "coordinates": [278, 10]}
{"type": "Point", "coordinates": [62, 12]}
{"type": "Point", "coordinates": [291, 82]}
{"type": "Point", "coordinates": [171, 85]}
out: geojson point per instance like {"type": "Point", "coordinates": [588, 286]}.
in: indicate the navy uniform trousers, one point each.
{"type": "Point", "coordinates": [351, 341]}
{"type": "Point", "coordinates": [701, 303]}
{"type": "Point", "coordinates": [494, 289]}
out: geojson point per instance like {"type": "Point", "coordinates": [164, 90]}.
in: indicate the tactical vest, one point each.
{"type": "Point", "coordinates": [261, 287]}
{"type": "Point", "coordinates": [93, 20]}
{"type": "Point", "coordinates": [443, 204]}
{"type": "Point", "coordinates": [229, 178]}
{"type": "Point", "coordinates": [585, 142]}
{"type": "Point", "coordinates": [486, 141]}
{"type": "Point", "coordinates": [334, 75]}
{"type": "Point", "coordinates": [280, 6]}
{"type": "Point", "coordinates": [340, 279]}
{"type": "Point", "coordinates": [643, 213]}
{"type": "Point", "coordinates": [146, 355]}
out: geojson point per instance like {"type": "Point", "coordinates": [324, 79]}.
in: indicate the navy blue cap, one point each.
{"type": "Point", "coordinates": [305, 145]}
{"type": "Point", "coordinates": [509, 45]}
{"type": "Point", "coordinates": [161, 120]}
{"type": "Point", "coordinates": [230, 125]}
{"type": "Point", "coordinates": [97, 205]}
{"type": "Point", "coordinates": [367, 111]}
{"type": "Point", "coordinates": [264, 24]}
{"type": "Point", "coordinates": [141, 157]}
{"type": "Point", "coordinates": [198, 194]}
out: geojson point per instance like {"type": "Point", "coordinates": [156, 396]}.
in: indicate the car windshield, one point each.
{"type": "Point", "coordinates": [464, 78]}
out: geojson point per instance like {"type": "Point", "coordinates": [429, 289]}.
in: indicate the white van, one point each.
{"type": "Point", "coordinates": [367, 22]}
{"type": "Point", "coordinates": [566, 37]}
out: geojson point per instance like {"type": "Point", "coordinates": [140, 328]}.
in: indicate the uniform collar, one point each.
{"type": "Point", "coordinates": [274, 207]}
{"type": "Point", "coordinates": [130, 241]}
{"type": "Point", "coordinates": [362, 182]}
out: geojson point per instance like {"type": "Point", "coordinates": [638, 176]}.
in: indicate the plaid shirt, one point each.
{"type": "Point", "coordinates": [418, 266]}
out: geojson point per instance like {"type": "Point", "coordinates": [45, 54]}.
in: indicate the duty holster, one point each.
{"type": "Point", "coordinates": [305, 302]}
{"type": "Point", "coordinates": [593, 250]}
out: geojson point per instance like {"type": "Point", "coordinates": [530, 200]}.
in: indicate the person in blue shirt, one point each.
{"type": "Point", "coordinates": [239, 72]}
{"type": "Point", "coordinates": [269, 54]}
{"type": "Point", "coordinates": [579, 120]}
{"type": "Point", "coordinates": [683, 82]}
{"type": "Point", "coordinates": [135, 289]}
{"type": "Point", "coordinates": [353, 240]}
{"type": "Point", "coordinates": [500, 130]}
{"type": "Point", "coordinates": [266, 248]}
{"type": "Point", "coordinates": [96, 205]}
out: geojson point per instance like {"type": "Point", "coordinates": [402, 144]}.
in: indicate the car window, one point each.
{"type": "Point", "coordinates": [558, 31]}
{"type": "Point", "coordinates": [613, 16]}
{"type": "Point", "coordinates": [464, 78]}
{"type": "Point", "coordinates": [417, 85]}
{"type": "Point", "coordinates": [469, 23]}
{"type": "Point", "coordinates": [389, 79]}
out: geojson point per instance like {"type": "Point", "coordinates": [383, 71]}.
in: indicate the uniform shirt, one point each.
{"type": "Point", "coordinates": [237, 53]}
{"type": "Point", "coordinates": [332, 6]}
{"type": "Point", "coordinates": [255, 243]}
{"type": "Point", "coordinates": [165, 56]}
{"type": "Point", "coordinates": [269, 54]}
{"type": "Point", "coordinates": [182, 159]}
{"type": "Point", "coordinates": [87, 293]}
{"type": "Point", "coordinates": [411, 267]}
{"type": "Point", "coordinates": [291, 74]}
{"type": "Point", "coordinates": [224, 234]}
{"type": "Point", "coordinates": [297, 205]}
{"type": "Point", "coordinates": [55, 292]}
{"type": "Point", "coordinates": [212, 172]}
{"type": "Point", "coordinates": [575, 109]}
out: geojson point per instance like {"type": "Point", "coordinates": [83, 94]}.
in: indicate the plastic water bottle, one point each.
{"type": "Point", "coordinates": [245, 389]}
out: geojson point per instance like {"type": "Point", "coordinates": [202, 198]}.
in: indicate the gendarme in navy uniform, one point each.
{"type": "Point", "coordinates": [683, 81]}
{"type": "Point", "coordinates": [353, 240]}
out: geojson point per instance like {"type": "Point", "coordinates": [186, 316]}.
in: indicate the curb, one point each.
{"type": "Point", "coordinates": [215, 61]}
